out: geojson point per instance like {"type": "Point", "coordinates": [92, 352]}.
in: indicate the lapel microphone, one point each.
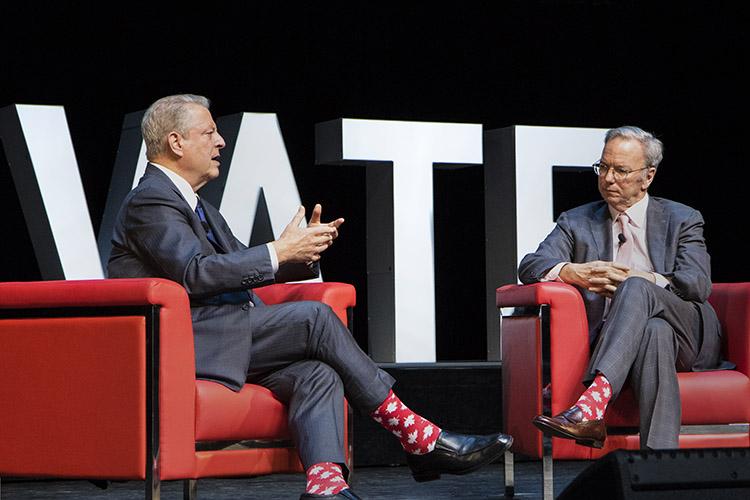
{"type": "Point", "coordinates": [622, 239]}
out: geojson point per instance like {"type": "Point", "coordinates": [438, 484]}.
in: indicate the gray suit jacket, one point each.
{"type": "Point", "coordinates": [676, 247]}
{"type": "Point", "coordinates": [157, 235]}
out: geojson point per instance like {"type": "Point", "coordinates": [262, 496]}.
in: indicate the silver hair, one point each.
{"type": "Point", "coordinates": [652, 147]}
{"type": "Point", "coordinates": [164, 116]}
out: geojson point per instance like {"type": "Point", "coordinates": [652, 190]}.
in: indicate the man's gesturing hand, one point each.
{"type": "Point", "coordinates": [315, 221]}
{"type": "Point", "coordinates": [304, 244]}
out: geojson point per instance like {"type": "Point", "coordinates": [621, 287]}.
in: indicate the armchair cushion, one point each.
{"type": "Point", "coordinates": [706, 398]}
{"type": "Point", "coordinates": [252, 413]}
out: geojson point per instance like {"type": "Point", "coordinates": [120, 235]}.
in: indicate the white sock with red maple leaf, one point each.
{"type": "Point", "coordinates": [417, 434]}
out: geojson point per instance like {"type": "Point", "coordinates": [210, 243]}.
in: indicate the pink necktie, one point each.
{"type": "Point", "coordinates": [626, 241]}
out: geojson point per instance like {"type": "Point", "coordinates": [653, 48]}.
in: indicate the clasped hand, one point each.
{"type": "Point", "coordinates": [305, 244]}
{"type": "Point", "coordinates": [599, 276]}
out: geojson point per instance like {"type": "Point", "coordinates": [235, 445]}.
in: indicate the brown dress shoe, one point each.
{"type": "Point", "coordinates": [570, 425]}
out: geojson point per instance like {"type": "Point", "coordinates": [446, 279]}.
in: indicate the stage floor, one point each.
{"type": "Point", "coordinates": [392, 483]}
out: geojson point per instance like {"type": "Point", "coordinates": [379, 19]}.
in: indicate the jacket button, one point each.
{"type": "Point", "coordinates": [245, 307]}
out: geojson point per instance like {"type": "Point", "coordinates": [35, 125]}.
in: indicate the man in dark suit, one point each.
{"type": "Point", "coordinates": [642, 268]}
{"type": "Point", "coordinates": [299, 350]}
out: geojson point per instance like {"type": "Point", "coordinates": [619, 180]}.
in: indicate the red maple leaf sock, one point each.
{"type": "Point", "coordinates": [325, 478]}
{"type": "Point", "coordinates": [594, 400]}
{"type": "Point", "coordinates": [417, 434]}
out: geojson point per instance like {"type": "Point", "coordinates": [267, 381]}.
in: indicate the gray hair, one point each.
{"type": "Point", "coordinates": [652, 147]}
{"type": "Point", "coordinates": [164, 116]}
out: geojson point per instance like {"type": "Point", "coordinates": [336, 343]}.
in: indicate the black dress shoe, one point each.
{"type": "Point", "coordinates": [570, 425]}
{"type": "Point", "coordinates": [345, 494]}
{"type": "Point", "coordinates": [457, 454]}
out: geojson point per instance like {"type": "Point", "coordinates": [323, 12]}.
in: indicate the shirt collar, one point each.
{"type": "Point", "coordinates": [183, 186]}
{"type": "Point", "coordinates": [637, 212]}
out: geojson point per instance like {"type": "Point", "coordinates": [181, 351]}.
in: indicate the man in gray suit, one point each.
{"type": "Point", "coordinates": [642, 268]}
{"type": "Point", "coordinates": [299, 350]}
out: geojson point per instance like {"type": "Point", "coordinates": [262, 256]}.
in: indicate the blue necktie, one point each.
{"type": "Point", "coordinates": [204, 223]}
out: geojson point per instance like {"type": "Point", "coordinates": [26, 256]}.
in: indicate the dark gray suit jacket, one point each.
{"type": "Point", "coordinates": [676, 247]}
{"type": "Point", "coordinates": [157, 235]}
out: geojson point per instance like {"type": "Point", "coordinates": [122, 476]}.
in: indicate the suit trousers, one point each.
{"type": "Point", "coordinates": [304, 354]}
{"type": "Point", "coordinates": [649, 334]}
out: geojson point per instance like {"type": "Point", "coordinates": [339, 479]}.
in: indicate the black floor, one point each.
{"type": "Point", "coordinates": [394, 483]}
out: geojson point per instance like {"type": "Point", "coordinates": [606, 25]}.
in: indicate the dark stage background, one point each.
{"type": "Point", "coordinates": [592, 63]}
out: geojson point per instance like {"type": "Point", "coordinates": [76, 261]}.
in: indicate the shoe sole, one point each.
{"type": "Point", "coordinates": [425, 476]}
{"type": "Point", "coordinates": [553, 431]}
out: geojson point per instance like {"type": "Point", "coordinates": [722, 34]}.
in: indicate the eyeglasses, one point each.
{"type": "Point", "coordinates": [620, 174]}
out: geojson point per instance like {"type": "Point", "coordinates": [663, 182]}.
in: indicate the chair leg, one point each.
{"type": "Point", "coordinates": [510, 488]}
{"type": "Point", "coordinates": [190, 489]}
{"type": "Point", "coordinates": [350, 440]}
{"type": "Point", "coordinates": [153, 488]}
{"type": "Point", "coordinates": [549, 485]}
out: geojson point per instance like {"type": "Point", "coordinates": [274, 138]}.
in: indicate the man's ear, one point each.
{"type": "Point", "coordinates": [174, 142]}
{"type": "Point", "coordinates": [650, 174]}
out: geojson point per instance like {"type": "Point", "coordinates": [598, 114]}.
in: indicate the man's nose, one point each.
{"type": "Point", "coordinates": [219, 141]}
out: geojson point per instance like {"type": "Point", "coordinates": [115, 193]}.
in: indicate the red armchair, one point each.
{"type": "Point", "coordinates": [545, 344]}
{"type": "Point", "coordinates": [97, 381]}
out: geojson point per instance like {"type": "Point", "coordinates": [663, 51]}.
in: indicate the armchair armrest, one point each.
{"type": "Point", "coordinates": [525, 355]}
{"type": "Point", "coordinates": [339, 296]}
{"type": "Point", "coordinates": [556, 294]}
{"type": "Point", "coordinates": [89, 293]}
{"type": "Point", "coordinates": [568, 323]}
{"type": "Point", "coordinates": [732, 304]}
{"type": "Point", "coordinates": [87, 323]}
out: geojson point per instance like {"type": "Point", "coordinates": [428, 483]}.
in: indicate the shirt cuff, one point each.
{"type": "Point", "coordinates": [554, 273]}
{"type": "Point", "coordinates": [660, 280]}
{"type": "Point", "coordinates": [273, 256]}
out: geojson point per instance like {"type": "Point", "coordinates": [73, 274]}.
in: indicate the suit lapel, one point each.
{"type": "Point", "coordinates": [656, 231]}
{"type": "Point", "coordinates": [209, 210]}
{"type": "Point", "coordinates": [601, 230]}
